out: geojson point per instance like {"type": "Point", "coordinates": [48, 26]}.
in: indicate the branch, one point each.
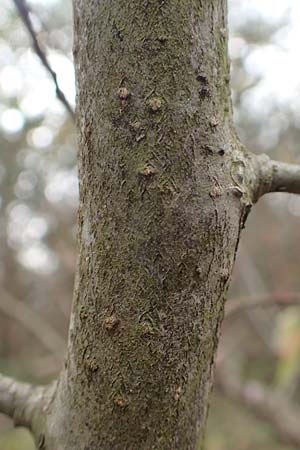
{"type": "Point", "coordinates": [33, 322]}
{"type": "Point", "coordinates": [261, 301]}
{"type": "Point", "coordinates": [20, 401]}
{"type": "Point", "coordinates": [276, 176]}
{"type": "Point", "coordinates": [269, 405]}
{"type": "Point", "coordinates": [24, 14]}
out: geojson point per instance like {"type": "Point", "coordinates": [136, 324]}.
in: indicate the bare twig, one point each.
{"type": "Point", "coordinates": [33, 322]}
{"type": "Point", "coordinates": [24, 14]}
{"type": "Point", "coordinates": [265, 403]}
{"type": "Point", "coordinates": [276, 176]}
{"type": "Point", "coordinates": [285, 299]}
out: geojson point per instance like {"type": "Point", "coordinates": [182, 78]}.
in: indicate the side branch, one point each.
{"type": "Point", "coordinates": [276, 176]}
{"type": "Point", "coordinates": [20, 401]}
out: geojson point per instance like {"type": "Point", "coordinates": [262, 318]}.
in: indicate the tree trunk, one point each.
{"type": "Point", "coordinates": [165, 187]}
{"type": "Point", "coordinates": [161, 207]}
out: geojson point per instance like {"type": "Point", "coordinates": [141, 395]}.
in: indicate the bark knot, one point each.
{"type": "Point", "coordinates": [111, 322]}
{"type": "Point", "coordinates": [148, 172]}
{"type": "Point", "coordinates": [123, 93]}
{"type": "Point", "coordinates": [155, 104]}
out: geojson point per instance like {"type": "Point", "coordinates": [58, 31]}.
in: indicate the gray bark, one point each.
{"type": "Point", "coordinates": [165, 189]}
{"type": "Point", "coordinates": [162, 201]}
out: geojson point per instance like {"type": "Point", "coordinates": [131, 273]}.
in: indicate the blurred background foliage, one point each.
{"type": "Point", "coordinates": [38, 202]}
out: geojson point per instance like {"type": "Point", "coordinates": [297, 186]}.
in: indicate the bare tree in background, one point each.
{"type": "Point", "coordinates": [165, 189]}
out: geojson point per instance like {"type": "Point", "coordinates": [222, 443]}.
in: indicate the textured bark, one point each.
{"type": "Point", "coordinates": [162, 202]}
{"type": "Point", "coordinates": [165, 188]}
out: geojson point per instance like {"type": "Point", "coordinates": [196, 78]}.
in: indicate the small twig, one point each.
{"type": "Point", "coordinates": [265, 403]}
{"type": "Point", "coordinates": [24, 14]}
{"type": "Point", "coordinates": [33, 322]}
{"type": "Point", "coordinates": [276, 176]}
{"type": "Point", "coordinates": [285, 299]}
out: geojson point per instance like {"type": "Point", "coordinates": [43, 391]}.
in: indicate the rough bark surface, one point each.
{"type": "Point", "coordinates": [165, 188]}
{"type": "Point", "coordinates": [162, 202]}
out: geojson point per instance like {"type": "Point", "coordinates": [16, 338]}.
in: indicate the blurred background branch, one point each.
{"type": "Point", "coordinates": [40, 328]}
{"type": "Point", "coordinates": [264, 403]}
{"type": "Point", "coordinates": [281, 300]}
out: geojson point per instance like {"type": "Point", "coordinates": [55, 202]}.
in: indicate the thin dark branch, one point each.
{"type": "Point", "coordinates": [24, 14]}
